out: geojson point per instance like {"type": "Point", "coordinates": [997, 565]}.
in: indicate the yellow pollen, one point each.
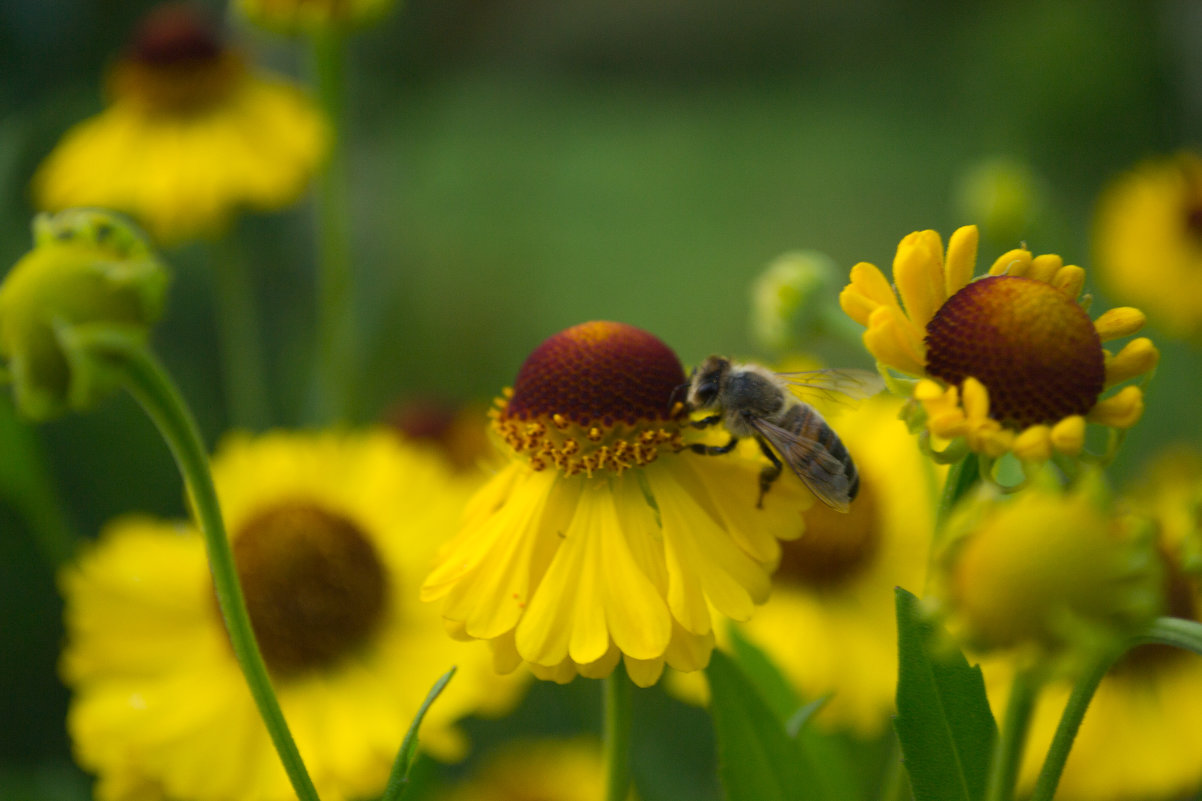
{"type": "Point", "coordinates": [573, 449]}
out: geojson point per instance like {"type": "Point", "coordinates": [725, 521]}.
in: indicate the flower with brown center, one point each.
{"type": "Point", "coordinates": [331, 534]}
{"type": "Point", "coordinates": [191, 134]}
{"type": "Point", "coordinates": [1009, 362]}
{"type": "Point", "coordinates": [604, 537]}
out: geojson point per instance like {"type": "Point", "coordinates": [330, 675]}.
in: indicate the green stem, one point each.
{"type": "Point", "coordinates": [154, 390]}
{"type": "Point", "coordinates": [1070, 722]}
{"type": "Point", "coordinates": [243, 364]}
{"type": "Point", "coordinates": [335, 297]}
{"type": "Point", "coordinates": [1008, 750]}
{"type": "Point", "coordinates": [961, 478]}
{"type": "Point", "coordinates": [616, 734]}
{"type": "Point", "coordinates": [1175, 631]}
{"type": "Point", "coordinates": [25, 483]}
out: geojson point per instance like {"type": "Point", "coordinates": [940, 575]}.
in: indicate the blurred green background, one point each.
{"type": "Point", "coordinates": [519, 167]}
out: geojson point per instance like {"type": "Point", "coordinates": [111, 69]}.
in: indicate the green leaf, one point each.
{"type": "Point", "coordinates": [757, 760]}
{"type": "Point", "coordinates": [398, 780]}
{"type": "Point", "coordinates": [838, 773]}
{"type": "Point", "coordinates": [943, 719]}
{"type": "Point", "coordinates": [764, 675]}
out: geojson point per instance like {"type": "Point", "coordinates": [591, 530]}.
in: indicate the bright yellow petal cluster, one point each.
{"type": "Point", "coordinates": [184, 175]}
{"type": "Point", "coordinates": [160, 708]}
{"type": "Point", "coordinates": [1147, 240]}
{"type": "Point", "coordinates": [927, 281]}
{"type": "Point", "coordinates": [599, 540]}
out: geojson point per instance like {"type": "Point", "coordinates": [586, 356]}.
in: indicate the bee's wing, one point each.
{"type": "Point", "coordinates": [836, 384]}
{"type": "Point", "coordinates": [825, 475]}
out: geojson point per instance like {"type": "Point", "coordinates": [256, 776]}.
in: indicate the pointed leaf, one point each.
{"type": "Point", "coordinates": [757, 760]}
{"type": "Point", "coordinates": [399, 779]}
{"type": "Point", "coordinates": [943, 720]}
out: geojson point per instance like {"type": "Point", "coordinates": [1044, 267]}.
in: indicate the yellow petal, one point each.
{"type": "Point", "coordinates": [1045, 267]}
{"type": "Point", "coordinates": [918, 273]}
{"type": "Point", "coordinates": [868, 290]}
{"type": "Point", "coordinates": [1119, 322]}
{"type": "Point", "coordinates": [704, 564]}
{"type": "Point", "coordinates": [961, 259]}
{"type": "Point", "coordinates": [1069, 279]}
{"type": "Point", "coordinates": [1034, 444]}
{"type": "Point", "coordinates": [975, 399]}
{"type": "Point", "coordinates": [1137, 357]}
{"type": "Point", "coordinates": [644, 672]}
{"type": "Point", "coordinates": [1015, 262]}
{"type": "Point", "coordinates": [890, 339]}
{"type": "Point", "coordinates": [1068, 435]}
{"type": "Point", "coordinates": [1121, 410]}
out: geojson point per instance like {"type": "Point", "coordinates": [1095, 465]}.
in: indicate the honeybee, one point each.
{"type": "Point", "coordinates": [750, 400]}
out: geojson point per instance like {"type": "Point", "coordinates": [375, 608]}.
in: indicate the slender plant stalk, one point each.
{"type": "Point", "coordinates": [616, 734]}
{"type": "Point", "coordinates": [26, 484]}
{"type": "Point", "coordinates": [1171, 631]}
{"type": "Point", "coordinates": [1008, 750]}
{"type": "Point", "coordinates": [335, 286]}
{"type": "Point", "coordinates": [242, 361]}
{"type": "Point", "coordinates": [154, 390]}
{"type": "Point", "coordinates": [1070, 722]}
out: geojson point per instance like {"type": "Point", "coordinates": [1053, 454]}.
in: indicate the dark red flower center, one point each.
{"type": "Point", "coordinates": [597, 395]}
{"type": "Point", "coordinates": [176, 63]}
{"type": "Point", "coordinates": [314, 585]}
{"type": "Point", "coordinates": [1031, 345]}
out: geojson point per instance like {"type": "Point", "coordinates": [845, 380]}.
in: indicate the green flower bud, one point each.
{"type": "Point", "coordinates": [789, 298]}
{"type": "Point", "coordinates": [89, 274]}
{"type": "Point", "coordinates": [1004, 193]}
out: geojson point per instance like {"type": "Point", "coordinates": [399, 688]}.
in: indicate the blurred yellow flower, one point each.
{"type": "Point", "coordinates": [331, 535]}
{"type": "Point", "coordinates": [1148, 240]}
{"type": "Point", "coordinates": [559, 770]}
{"type": "Point", "coordinates": [1140, 738]}
{"type": "Point", "coordinates": [603, 537]}
{"type": "Point", "coordinates": [312, 16]}
{"type": "Point", "coordinates": [830, 624]}
{"type": "Point", "coordinates": [1006, 363]}
{"type": "Point", "coordinates": [1050, 571]}
{"type": "Point", "coordinates": [190, 135]}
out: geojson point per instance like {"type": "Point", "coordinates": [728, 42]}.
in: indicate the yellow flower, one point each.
{"type": "Point", "coordinates": [312, 16]}
{"type": "Point", "coordinates": [559, 770]}
{"type": "Point", "coordinates": [88, 273]}
{"type": "Point", "coordinates": [1006, 363]}
{"type": "Point", "coordinates": [1047, 571]}
{"type": "Point", "coordinates": [1148, 240]}
{"type": "Point", "coordinates": [331, 535]}
{"type": "Point", "coordinates": [603, 537]}
{"type": "Point", "coordinates": [1139, 739]}
{"type": "Point", "coordinates": [830, 624]}
{"type": "Point", "coordinates": [190, 136]}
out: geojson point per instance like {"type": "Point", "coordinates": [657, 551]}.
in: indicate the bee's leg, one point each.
{"type": "Point", "coordinates": [770, 473]}
{"type": "Point", "coordinates": [706, 422]}
{"type": "Point", "coordinates": [714, 450]}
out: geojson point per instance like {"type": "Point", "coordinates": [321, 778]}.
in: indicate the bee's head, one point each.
{"type": "Point", "coordinates": [705, 383]}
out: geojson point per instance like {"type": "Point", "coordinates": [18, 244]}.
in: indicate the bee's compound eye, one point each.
{"type": "Point", "coordinates": [706, 392]}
